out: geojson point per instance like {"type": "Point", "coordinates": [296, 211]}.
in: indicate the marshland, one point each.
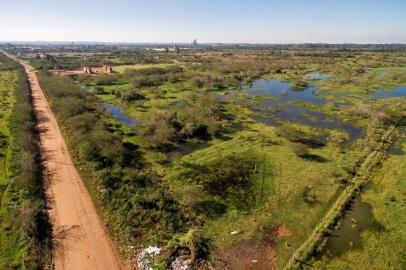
{"type": "Point", "coordinates": [249, 157]}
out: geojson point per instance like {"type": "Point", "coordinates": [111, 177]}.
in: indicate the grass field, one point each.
{"type": "Point", "coordinates": [279, 187]}
{"type": "Point", "coordinates": [12, 246]}
{"type": "Point", "coordinates": [123, 68]}
{"type": "Point", "coordinates": [25, 241]}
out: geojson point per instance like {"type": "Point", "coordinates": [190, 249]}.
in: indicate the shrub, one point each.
{"type": "Point", "coordinates": [229, 178]}
{"type": "Point", "coordinates": [131, 95]}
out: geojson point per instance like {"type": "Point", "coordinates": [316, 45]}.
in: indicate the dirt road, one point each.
{"type": "Point", "coordinates": [80, 237]}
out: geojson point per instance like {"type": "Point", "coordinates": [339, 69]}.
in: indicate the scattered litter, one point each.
{"type": "Point", "coordinates": [144, 257]}
{"type": "Point", "coordinates": [254, 261]}
{"type": "Point", "coordinates": [354, 220]}
{"type": "Point", "coordinates": [181, 263]}
{"type": "Point", "coordinates": [153, 250]}
{"type": "Point", "coordinates": [234, 232]}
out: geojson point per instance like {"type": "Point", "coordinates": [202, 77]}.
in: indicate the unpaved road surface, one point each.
{"type": "Point", "coordinates": [81, 241]}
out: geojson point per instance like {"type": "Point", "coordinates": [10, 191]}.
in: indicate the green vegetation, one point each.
{"type": "Point", "coordinates": [381, 249]}
{"type": "Point", "coordinates": [48, 61]}
{"type": "Point", "coordinates": [136, 206]}
{"type": "Point", "coordinates": [209, 166]}
{"type": "Point", "coordinates": [315, 242]}
{"type": "Point", "coordinates": [124, 68]}
{"type": "Point", "coordinates": [24, 229]}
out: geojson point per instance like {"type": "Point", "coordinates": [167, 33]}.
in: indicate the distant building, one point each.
{"type": "Point", "coordinates": [87, 70]}
{"type": "Point", "coordinates": [194, 43]}
{"type": "Point", "coordinates": [107, 69]}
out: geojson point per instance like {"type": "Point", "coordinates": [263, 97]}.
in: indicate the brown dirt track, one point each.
{"type": "Point", "coordinates": [81, 241]}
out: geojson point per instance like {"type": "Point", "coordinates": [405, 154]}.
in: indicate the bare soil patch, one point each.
{"type": "Point", "coordinates": [254, 254]}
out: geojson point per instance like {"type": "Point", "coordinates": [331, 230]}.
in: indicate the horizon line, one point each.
{"type": "Point", "coordinates": [202, 43]}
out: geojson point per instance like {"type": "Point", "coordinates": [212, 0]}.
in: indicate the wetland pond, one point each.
{"type": "Point", "coordinates": [382, 93]}
{"type": "Point", "coordinates": [284, 91]}
{"type": "Point", "coordinates": [272, 112]}
{"type": "Point", "coordinates": [117, 112]}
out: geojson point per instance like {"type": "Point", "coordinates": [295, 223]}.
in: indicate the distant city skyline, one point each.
{"type": "Point", "coordinates": [210, 21]}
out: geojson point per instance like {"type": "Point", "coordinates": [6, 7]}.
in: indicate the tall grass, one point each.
{"type": "Point", "coordinates": [24, 206]}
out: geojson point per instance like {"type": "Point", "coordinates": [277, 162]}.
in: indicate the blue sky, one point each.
{"type": "Point", "coordinates": [253, 21]}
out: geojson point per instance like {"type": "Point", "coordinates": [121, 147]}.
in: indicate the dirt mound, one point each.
{"type": "Point", "coordinates": [283, 232]}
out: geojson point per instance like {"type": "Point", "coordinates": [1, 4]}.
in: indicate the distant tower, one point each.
{"type": "Point", "coordinates": [194, 43]}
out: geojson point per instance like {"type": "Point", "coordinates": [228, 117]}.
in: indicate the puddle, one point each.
{"type": "Point", "coordinates": [182, 102]}
{"type": "Point", "coordinates": [184, 149]}
{"type": "Point", "coordinates": [317, 76]}
{"type": "Point", "coordinates": [117, 112]}
{"type": "Point", "coordinates": [356, 220]}
{"type": "Point", "coordinates": [303, 116]}
{"type": "Point", "coordinates": [397, 92]}
{"type": "Point", "coordinates": [397, 147]}
{"type": "Point", "coordinates": [284, 91]}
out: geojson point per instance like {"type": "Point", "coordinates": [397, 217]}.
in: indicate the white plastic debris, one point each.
{"type": "Point", "coordinates": [181, 264]}
{"type": "Point", "coordinates": [153, 250]}
{"type": "Point", "coordinates": [144, 257]}
{"type": "Point", "coordinates": [234, 232]}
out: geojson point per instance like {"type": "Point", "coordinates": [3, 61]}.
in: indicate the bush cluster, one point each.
{"type": "Point", "coordinates": [201, 121]}
{"type": "Point", "coordinates": [132, 196]}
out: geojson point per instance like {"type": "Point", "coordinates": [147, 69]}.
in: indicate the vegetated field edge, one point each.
{"type": "Point", "coordinates": [25, 241]}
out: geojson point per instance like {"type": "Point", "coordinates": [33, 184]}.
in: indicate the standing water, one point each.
{"type": "Point", "coordinates": [284, 91]}
{"type": "Point", "coordinates": [272, 112]}
{"type": "Point", "coordinates": [397, 92]}
{"type": "Point", "coordinates": [117, 112]}
{"type": "Point", "coordinates": [348, 236]}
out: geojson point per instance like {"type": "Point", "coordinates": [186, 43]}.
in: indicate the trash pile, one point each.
{"type": "Point", "coordinates": [143, 260]}
{"type": "Point", "coordinates": [181, 263]}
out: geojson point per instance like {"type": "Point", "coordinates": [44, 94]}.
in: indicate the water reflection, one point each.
{"type": "Point", "coordinates": [273, 112]}
{"type": "Point", "coordinates": [397, 92]}
{"type": "Point", "coordinates": [284, 91]}
{"type": "Point", "coordinates": [356, 220]}
{"type": "Point", "coordinates": [117, 112]}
